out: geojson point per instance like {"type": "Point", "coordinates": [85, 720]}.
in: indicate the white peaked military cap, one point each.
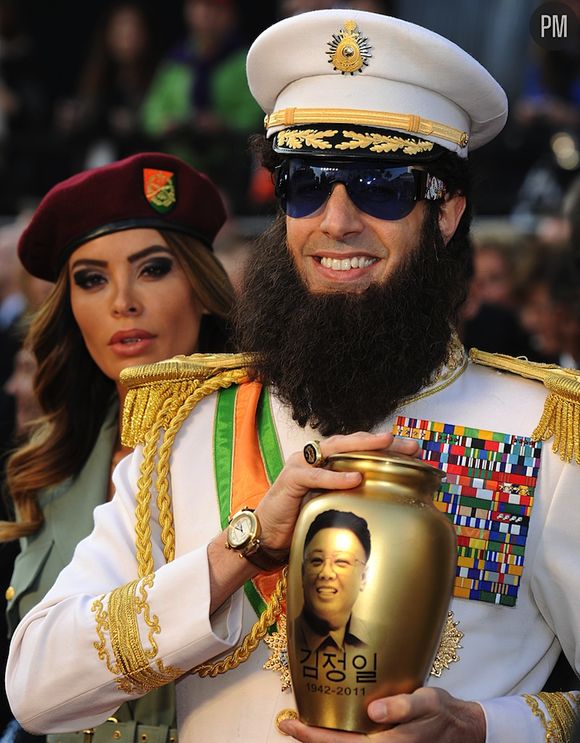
{"type": "Point", "coordinates": [384, 86]}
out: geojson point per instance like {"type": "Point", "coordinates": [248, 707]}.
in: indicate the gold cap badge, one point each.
{"type": "Point", "coordinates": [349, 49]}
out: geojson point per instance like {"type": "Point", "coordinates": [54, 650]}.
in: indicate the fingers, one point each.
{"type": "Point", "coordinates": [403, 708]}
{"type": "Point", "coordinates": [406, 446]}
{"type": "Point", "coordinates": [298, 477]}
{"type": "Point", "coordinates": [355, 442]}
{"type": "Point", "coordinates": [429, 714]}
{"type": "Point", "coordinates": [362, 440]}
{"type": "Point", "coordinates": [306, 734]}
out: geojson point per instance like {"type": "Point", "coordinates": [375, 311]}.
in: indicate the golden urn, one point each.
{"type": "Point", "coordinates": [369, 583]}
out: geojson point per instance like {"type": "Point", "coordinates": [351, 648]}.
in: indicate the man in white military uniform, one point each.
{"type": "Point", "coordinates": [349, 305]}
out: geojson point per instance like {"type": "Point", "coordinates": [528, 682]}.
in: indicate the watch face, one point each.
{"type": "Point", "coordinates": [241, 530]}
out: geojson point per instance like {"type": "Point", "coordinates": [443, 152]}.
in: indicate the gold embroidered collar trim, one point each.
{"type": "Point", "coordinates": [453, 367]}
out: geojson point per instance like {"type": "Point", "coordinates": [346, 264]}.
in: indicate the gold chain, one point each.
{"type": "Point", "coordinates": [252, 639]}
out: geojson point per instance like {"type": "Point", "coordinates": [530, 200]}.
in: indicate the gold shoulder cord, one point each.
{"type": "Point", "coordinates": [561, 415]}
{"type": "Point", "coordinates": [159, 399]}
{"type": "Point", "coordinates": [252, 639]}
{"type": "Point", "coordinates": [562, 709]}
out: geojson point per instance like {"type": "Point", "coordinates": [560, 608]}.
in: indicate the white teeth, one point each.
{"type": "Point", "coordinates": [347, 263]}
{"type": "Point", "coordinates": [131, 340]}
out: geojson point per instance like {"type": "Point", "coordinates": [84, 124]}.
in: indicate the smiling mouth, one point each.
{"type": "Point", "coordinates": [346, 264]}
{"type": "Point", "coordinates": [326, 591]}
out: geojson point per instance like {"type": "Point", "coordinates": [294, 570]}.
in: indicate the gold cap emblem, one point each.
{"type": "Point", "coordinates": [349, 49]}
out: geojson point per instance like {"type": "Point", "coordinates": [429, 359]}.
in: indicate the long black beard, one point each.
{"type": "Point", "coordinates": [345, 361]}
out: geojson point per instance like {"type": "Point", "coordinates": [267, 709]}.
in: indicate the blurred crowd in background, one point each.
{"type": "Point", "coordinates": [83, 84]}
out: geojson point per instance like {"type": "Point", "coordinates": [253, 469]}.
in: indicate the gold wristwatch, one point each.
{"type": "Point", "coordinates": [243, 536]}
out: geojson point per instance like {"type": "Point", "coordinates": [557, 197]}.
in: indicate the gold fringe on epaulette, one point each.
{"type": "Point", "coordinates": [157, 402]}
{"type": "Point", "coordinates": [561, 415]}
{"type": "Point", "coordinates": [169, 383]}
{"type": "Point", "coordinates": [152, 416]}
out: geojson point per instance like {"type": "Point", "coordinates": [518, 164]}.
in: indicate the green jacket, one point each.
{"type": "Point", "coordinates": [169, 100]}
{"type": "Point", "coordinates": [68, 518]}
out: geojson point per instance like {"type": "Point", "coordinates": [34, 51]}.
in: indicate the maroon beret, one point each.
{"type": "Point", "coordinates": [150, 189]}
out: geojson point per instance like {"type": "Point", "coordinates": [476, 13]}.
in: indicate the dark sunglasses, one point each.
{"type": "Point", "coordinates": [384, 192]}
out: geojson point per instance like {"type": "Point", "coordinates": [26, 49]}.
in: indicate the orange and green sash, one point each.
{"type": "Point", "coordinates": [247, 460]}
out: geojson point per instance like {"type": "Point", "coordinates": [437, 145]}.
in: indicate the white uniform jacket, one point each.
{"type": "Point", "coordinates": [61, 674]}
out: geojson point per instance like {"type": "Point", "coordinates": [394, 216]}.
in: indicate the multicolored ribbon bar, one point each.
{"type": "Point", "coordinates": [488, 494]}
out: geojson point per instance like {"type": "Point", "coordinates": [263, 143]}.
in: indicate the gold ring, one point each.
{"type": "Point", "coordinates": [313, 453]}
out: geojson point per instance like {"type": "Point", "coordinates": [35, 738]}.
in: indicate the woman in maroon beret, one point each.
{"type": "Point", "coordinates": [129, 249]}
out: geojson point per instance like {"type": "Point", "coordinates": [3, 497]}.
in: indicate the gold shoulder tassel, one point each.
{"type": "Point", "coordinates": [561, 415]}
{"type": "Point", "coordinates": [165, 386]}
{"type": "Point", "coordinates": [159, 399]}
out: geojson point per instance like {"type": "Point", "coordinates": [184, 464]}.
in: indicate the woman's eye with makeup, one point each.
{"type": "Point", "coordinates": [88, 279]}
{"type": "Point", "coordinates": [157, 268]}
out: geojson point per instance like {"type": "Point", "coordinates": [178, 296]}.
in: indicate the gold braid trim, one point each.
{"type": "Point", "coordinates": [120, 622]}
{"type": "Point", "coordinates": [407, 122]}
{"type": "Point", "coordinates": [150, 386]}
{"type": "Point", "coordinates": [159, 399]}
{"type": "Point", "coordinates": [562, 709]}
{"type": "Point", "coordinates": [273, 609]}
{"type": "Point", "coordinates": [561, 415]}
{"type": "Point", "coordinates": [171, 413]}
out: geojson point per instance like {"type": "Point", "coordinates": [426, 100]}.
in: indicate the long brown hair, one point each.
{"type": "Point", "coordinates": [73, 392]}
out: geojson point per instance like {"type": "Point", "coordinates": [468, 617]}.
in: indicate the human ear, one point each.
{"type": "Point", "coordinates": [363, 579]}
{"type": "Point", "coordinates": [450, 213]}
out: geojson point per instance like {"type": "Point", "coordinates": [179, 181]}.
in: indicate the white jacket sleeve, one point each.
{"type": "Point", "coordinates": [101, 637]}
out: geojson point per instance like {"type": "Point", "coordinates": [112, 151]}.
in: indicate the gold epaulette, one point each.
{"type": "Point", "coordinates": [561, 415]}
{"type": "Point", "coordinates": [156, 392]}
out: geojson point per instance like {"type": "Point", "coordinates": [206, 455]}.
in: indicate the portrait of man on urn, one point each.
{"type": "Point", "coordinates": [337, 548]}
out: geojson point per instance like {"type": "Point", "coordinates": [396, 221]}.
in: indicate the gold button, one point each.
{"type": "Point", "coordinates": [285, 714]}
{"type": "Point", "coordinates": [116, 734]}
{"type": "Point", "coordinates": [10, 593]}
{"type": "Point", "coordinates": [144, 738]}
